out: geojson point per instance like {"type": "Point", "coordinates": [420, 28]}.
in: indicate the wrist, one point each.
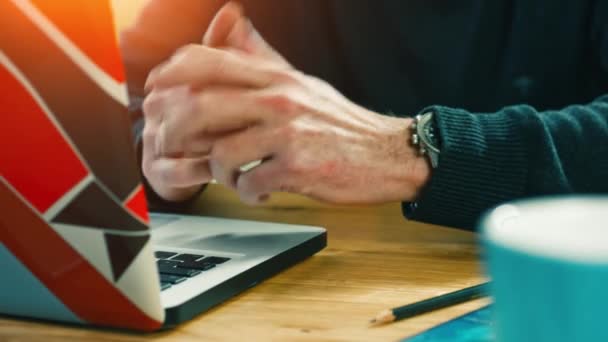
{"type": "Point", "coordinates": [420, 166]}
{"type": "Point", "coordinates": [409, 171]}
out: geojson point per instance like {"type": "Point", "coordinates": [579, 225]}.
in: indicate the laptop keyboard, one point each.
{"type": "Point", "coordinates": [175, 268]}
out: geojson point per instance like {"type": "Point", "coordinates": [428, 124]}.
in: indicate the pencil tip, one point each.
{"type": "Point", "coordinates": [373, 320]}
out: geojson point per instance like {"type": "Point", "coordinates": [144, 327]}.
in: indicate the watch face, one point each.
{"type": "Point", "coordinates": [429, 133]}
{"type": "Point", "coordinates": [428, 138]}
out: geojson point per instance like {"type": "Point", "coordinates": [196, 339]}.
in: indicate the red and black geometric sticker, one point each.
{"type": "Point", "coordinates": [122, 250]}
{"type": "Point", "coordinates": [97, 124]}
{"type": "Point", "coordinates": [137, 204]}
{"type": "Point", "coordinates": [68, 18]}
{"type": "Point", "coordinates": [95, 208]}
{"type": "Point", "coordinates": [36, 159]}
{"type": "Point", "coordinates": [68, 157]}
{"type": "Point", "coordinates": [63, 271]}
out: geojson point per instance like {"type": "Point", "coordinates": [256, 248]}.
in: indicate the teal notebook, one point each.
{"type": "Point", "coordinates": [475, 326]}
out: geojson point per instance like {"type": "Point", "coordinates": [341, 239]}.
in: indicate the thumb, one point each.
{"type": "Point", "coordinates": [222, 24]}
{"type": "Point", "coordinates": [232, 29]}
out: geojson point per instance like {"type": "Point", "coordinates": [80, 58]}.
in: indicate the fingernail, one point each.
{"type": "Point", "coordinates": [237, 7]}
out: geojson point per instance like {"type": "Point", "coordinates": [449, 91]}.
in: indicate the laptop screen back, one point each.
{"type": "Point", "coordinates": [74, 218]}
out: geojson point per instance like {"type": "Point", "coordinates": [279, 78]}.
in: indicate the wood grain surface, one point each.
{"type": "Point", "coordinates": [375, 260]}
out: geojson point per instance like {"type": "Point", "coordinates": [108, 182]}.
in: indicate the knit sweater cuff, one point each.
{"type": "Point", "coordinates": [482, 163]}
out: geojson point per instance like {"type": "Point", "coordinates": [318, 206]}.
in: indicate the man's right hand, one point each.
{"type": "Point", "coordinates": [178, 177]}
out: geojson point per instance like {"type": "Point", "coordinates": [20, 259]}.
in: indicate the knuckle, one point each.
{"type": "Point", "coordinates": [204, 107]}
{"type": "Point", "coordinates": [218, 61]}
{"type": "Point", "coordinates": [179, 67]}
{"type": "Point", "coordinates": [280, 103]}
{"type": "Point", "coordinates": [181, 58]}
{"type": "Point", "coordinates": [289, 77]}
{"type": "Point", "coordinates": [148, 142]}
{"type": "Point", "coordinates": [187, 51]}
{"type": "Point", "coordinates": [150, 104]}
{"type": "Point", "coordinates": [148, 134]}
{"type": "Point", "coordinates": [146, 169]}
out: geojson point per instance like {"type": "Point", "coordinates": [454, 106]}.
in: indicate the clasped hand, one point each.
{"type": "Point", "coordinates": [215, 107]}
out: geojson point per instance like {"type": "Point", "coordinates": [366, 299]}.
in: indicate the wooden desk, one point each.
{"type": "Point", "coordinates": [374, 260]}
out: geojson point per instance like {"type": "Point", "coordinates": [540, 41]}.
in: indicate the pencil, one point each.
{"type": "Point", "coordinates": [431, 304]}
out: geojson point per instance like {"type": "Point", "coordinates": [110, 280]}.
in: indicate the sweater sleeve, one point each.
{"type": "Point", "coordinates": [518, 152]}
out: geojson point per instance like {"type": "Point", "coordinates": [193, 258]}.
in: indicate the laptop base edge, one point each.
{"type": "Point", "coordinates": [243, 281]}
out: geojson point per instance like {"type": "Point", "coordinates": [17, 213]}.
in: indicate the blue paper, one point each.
{"type": "Point", "coordinates": [475, 326]}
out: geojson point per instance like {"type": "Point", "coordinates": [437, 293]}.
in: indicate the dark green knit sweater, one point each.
{"type": "Point", "coordinates": [530, 75]}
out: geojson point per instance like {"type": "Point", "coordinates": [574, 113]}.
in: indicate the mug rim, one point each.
{"type": "Point", "coordinates": [487, 228]}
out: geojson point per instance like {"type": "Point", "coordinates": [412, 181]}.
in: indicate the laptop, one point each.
{"type": "Point", "coordinates": [77, 243]}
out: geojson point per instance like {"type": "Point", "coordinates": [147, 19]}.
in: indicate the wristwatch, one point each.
{"type": "Point", "coordinates": [425, 137]}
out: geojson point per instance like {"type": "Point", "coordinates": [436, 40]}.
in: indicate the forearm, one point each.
{"type": "Point", "coordinates": [487, 159]}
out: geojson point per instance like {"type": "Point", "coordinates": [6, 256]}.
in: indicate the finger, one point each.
{"type": "Point", "coordinates": [234, 151]}
{"type": "Point", "coordinates": [222, 24]}
{"type": "Point", "coordinates": [160, 102]}
{"type": "Point", "coordinates": [188, 127]}
{"type": "Point", "coordinates": [152, 75]}
{"type": "Point", "coordinates": [179, 172]}
{"type": "Point", "coordinates": [198, 66]}
{"type": "Point", "coordinates": [171, 172]}
{"type": "Point", "coordinates": [200, 145]}
{"type": "Point", "coordinates": [256, 185]}
{"type": "Point", "coordinates": [157, 107]}
{"type": "Point", "coordinates": [232, 29]}
{"type": "Point", "coordinates": [166, 108]}
{"type": "Point", "coordinates": [152, 107]}
{"type": "Point", "coordinates": [148, 153]}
